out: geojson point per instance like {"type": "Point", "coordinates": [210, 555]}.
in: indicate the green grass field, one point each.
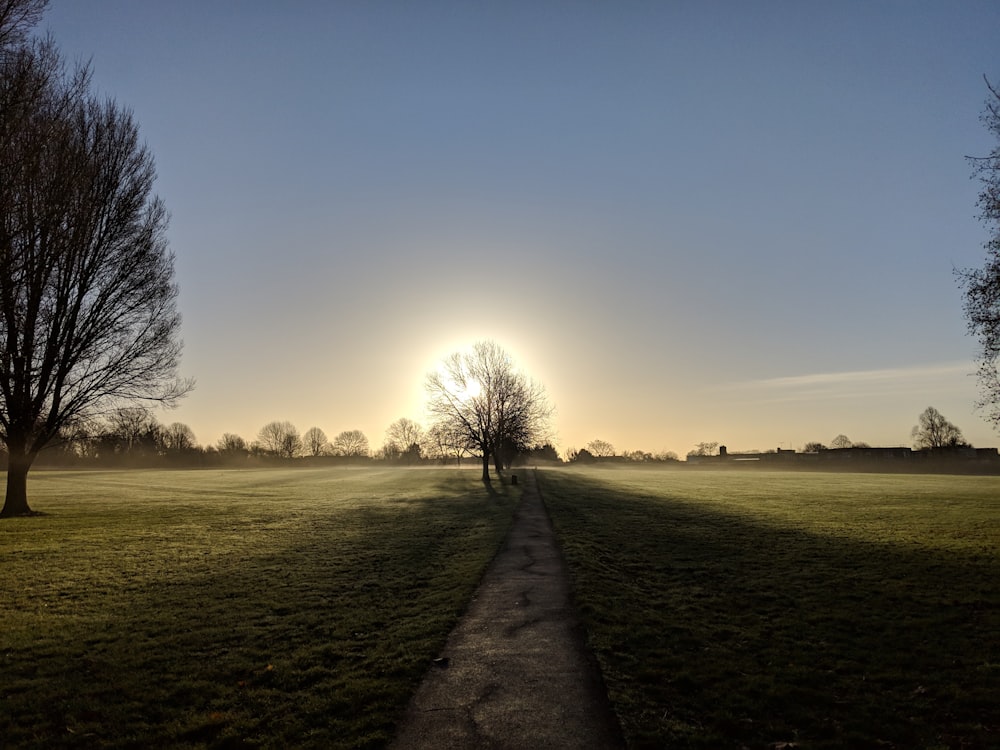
{"type": "Point", "coordinates": [751, 609]}
{"type": "Point", "coordinates": [299, 608]}
{"type": "Point", "coordinates": [266, 608]}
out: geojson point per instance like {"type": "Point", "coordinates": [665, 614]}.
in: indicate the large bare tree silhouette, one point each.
{"type": "Point", "coordinates": [88, 319]}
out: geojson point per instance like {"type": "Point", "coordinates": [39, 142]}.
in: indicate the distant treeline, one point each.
{"type": "Point", "coordinates": [944, 459]}
{"type": "Point", "coordinates": [133, 438]}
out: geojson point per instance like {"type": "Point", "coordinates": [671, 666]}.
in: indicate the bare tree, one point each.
{"type": "Point", "coordinates": [178, 438]}
{"type": "Point", "coordinates": [813, 447]}
{"type": "Point", "coordinates": [601, 448]}
{"type": "Point", "coordinates": [351, 443]}
{"type": "Point", "coordinates": [403, 433]}
{"type": "Point", "coordinates": [133, 429]}
{"type": "Point", "coordinates": [80, 440]}
{"type": "Point", "coordinates": [404, 440]}
{"type": "Point", "coordinates": [982, 285]}
{"type": "Point", "coordinates": [88, 315]}
{"type": "Point", "coordinates": [315, 442]}
{"type": "Point", "coordinates": [280, 439]}
{"type": "Point", "coordinates": [444, 442]}
{"type": "Point", "coordinates": [841, 441]}
{"type": "Point", "coordinates": [638, 456]}
{"type": "Point", "coordinates": [704, 449]}
{"type": "Point", "coordinates": [545, 452]}
{"type": "Point", "coordinates": [934, 431]}
{"type": "Point", "coordinates": [231, 444]}
{"type": "Point", "coordinates": [496, 410]}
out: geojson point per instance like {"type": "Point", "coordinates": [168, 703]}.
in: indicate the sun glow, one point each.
{"type": "Point", "coordinates": [472, 389]}
{"type": "Point", "coordinates": [462, 390]}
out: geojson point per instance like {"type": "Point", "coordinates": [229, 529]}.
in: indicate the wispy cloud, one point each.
{"type": "Point", "coordinates": [856, 383]}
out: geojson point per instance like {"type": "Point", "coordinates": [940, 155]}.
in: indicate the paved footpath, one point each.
{"type": "Point", "coordinates": [515, 672]}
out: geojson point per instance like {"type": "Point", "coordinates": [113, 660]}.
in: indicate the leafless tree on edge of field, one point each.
{"type": "Point", "coordinates": [88, 317]}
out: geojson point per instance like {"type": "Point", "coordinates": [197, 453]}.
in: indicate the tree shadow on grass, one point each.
{"type": "Point", "coordinates": [312, 634]}
{"type": "Point", "coordinates": [715, 629]}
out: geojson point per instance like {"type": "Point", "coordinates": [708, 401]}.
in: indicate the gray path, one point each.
{"type": "Point", "coordinates": [515, 672]}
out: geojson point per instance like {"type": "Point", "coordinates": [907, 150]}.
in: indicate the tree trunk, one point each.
{"type": "Point", "coordinates": [486, 466]}
{"type": "Point", "coordinates": [16, 501]}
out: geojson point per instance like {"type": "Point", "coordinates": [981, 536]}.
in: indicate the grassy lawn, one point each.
{"type": "Point", "coordinates": [265, 608]}
{"type": "Point", "coordinates": [751, 609]}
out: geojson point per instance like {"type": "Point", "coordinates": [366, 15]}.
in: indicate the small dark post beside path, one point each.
{"type": "Point", "coordinates": [515, 672]}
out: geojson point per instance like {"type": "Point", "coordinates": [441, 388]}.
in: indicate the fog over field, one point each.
{"type": "Point", "coordinates": [690, 222]}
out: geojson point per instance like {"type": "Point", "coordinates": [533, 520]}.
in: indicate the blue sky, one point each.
{"type": "Point", "coordinates": [729, 221]}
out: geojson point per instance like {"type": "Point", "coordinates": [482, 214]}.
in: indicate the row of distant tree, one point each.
{"type": "Point", "coordinates": [932, 431]}
{"type": "Point", "coordinates": [133, 435]}
{"type": "Point", "coordinates": [602, 450]}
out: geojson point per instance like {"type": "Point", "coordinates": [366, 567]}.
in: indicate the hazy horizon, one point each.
{"type": "Point", "coordinates": [689, 222]}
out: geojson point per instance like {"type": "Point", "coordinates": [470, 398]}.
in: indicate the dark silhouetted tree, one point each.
{"type": "Point", "coordinates": [601, 448]}
{"type": "Point", "coordinates": [445, 442]}
{"type": "Point", "coordinates": [546, 452]}
{"type": "Point", "coordinates": [351, 443]}
{"type": "Point", "coordinates": [982, 285]}
{"type": "Point", "coordinates": [80, 441]}
{"type": "Point", "coordinates": [231, 445]}
{"type": "Point", "coordinates": [131, 431]}
{"type": "Point", "coordinates": [704, 449]}
{"type": "Point", "coordinates": [178, 438]}
{"type": "Point", "coordinates": [87, 297]}
{"type": "Point", "coordinates": [637, 456]}
{"type": "Point", "coordinates": [280, 439]}
{"type": "Point", "coordinates": [402, 435]}
{"type": "Point", "coordinates": [841, 441]}
{"type": "Point", "coordinates": [413, 453]}
{"type": "Point", "coordinates": [494, 408]}
{"type": "Point", "coordinates": [813, 447]}
{"type": "Point", "coordinates": [315, 442]}
{"type": "Point", "coordinates": [934, 431]}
